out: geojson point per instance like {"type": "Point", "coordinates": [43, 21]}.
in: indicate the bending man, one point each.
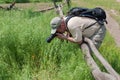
{"type": "Point", "coordinates": [77, 28]}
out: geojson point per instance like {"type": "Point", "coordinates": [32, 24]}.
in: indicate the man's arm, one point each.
{"type": "Point", "coordinates": [71, 39]}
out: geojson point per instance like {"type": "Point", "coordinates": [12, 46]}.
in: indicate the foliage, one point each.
{"type": "Point", "coordinates": [6, 1]}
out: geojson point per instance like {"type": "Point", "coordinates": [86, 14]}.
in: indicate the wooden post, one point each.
{"type": "Point", "coordinates": [60, 11]}
{"type": "Point", "coordinates": [68, 2]}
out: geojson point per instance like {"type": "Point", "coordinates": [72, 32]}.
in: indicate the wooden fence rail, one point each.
{"type": "Point", "coordinates": [97, 73]}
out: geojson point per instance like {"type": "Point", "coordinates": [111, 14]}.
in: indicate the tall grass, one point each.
{"type": "Point", "coordinates": [25, 55]}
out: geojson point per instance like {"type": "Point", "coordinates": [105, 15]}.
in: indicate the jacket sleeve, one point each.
{"type": "Point", "coordinates": [76, 34]}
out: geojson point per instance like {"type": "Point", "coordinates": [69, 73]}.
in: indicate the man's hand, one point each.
{"type": "Point", "coordinates": [67, 37]}
{"type": "Point", "coordinates": [61, 36]}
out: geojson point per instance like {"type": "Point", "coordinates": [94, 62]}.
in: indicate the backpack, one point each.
{"type": "Point", "coordinates": [96, 13]}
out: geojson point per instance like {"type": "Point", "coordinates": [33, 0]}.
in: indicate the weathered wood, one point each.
{"type": "Point", "coordinates": [98, 75]}
{"type": "Point", "coordinates": [9, 7]}
{"type": "Point", "coordinates": [96, 72]}
{"type": "Point", "coordinates": [68, 2]}
{"type": "Point", "coordinates": [58, 8]}
{"type": "Point", "coordinates": [90, 61]}
{"type": "Point", "coordinates": [102, 60]}
{"type": "Point", "coordinates": [60, 11]}
{"type": "Point", "coordinates": [46, 9]}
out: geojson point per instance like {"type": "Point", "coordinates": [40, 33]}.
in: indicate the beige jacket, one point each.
{"type": "Point", "coordinates": [77, 25]}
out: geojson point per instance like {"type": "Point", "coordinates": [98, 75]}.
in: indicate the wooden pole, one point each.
{"type": "Point", "coordinates": [102, 60]}
{"type": "Point", "coordinates": [96, 72]}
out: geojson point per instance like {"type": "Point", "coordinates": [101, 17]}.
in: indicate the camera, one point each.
{"type": "Point", "coordinates": [50, 38]}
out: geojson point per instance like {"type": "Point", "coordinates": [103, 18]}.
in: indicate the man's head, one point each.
{"type": "Point", "coordinates": [55, 24]}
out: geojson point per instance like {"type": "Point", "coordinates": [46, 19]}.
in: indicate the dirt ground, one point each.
{"type": "Point", "coordinates": [118, 0]}
{"type": "Point", "coordinates": [113, 27]}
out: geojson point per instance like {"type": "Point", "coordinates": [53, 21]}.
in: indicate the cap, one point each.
{"type": "Point", "coordinates": [55, 23]}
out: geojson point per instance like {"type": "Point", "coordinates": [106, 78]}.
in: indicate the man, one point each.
{"type": "Point", "coordinates": [79, 27]}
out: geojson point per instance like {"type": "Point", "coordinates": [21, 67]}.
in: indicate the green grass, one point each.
{"type": "Point", "coordinates": [111, 4]}
{"type": "Point", "coordinates": [111, 52]}
{"type": "Point", "coordinates": [25, 54]}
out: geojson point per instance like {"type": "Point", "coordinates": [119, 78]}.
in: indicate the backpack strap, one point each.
{"type": "Point", "coordinates": [90, 26]}
{"type": "Point", "coordinates": [68, 18]}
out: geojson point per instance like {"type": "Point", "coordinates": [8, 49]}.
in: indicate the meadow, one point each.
{"type": "Point", "coordinates": [25, 54]}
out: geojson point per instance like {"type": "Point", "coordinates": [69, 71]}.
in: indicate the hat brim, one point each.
{"type": "Point", "coordinates": [53, 31]}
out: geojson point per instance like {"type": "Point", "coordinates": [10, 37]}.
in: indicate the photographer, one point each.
{"type": "Point", "coordinates": [77, 28]}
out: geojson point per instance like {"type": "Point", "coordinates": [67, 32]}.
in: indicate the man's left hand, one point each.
{"type": "Point", "coordinates": [61, 36]}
